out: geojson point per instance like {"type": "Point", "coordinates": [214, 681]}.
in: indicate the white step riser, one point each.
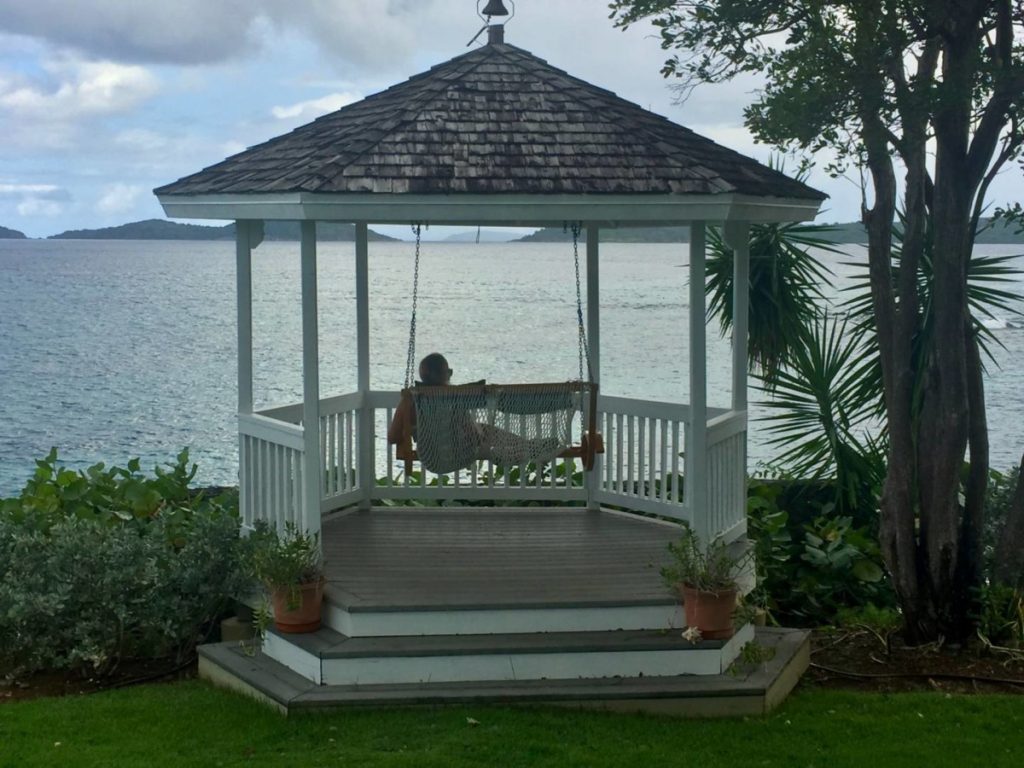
{"type": "Point", "coordinates": [500, 622]}
{"type": "Point", "coordinates": [505, 666]}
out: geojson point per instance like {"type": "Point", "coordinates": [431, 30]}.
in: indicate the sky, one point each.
{"type": "Point", "coordinates": [103, 100]}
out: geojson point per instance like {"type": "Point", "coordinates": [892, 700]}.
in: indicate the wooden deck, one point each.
{"type": "Point", "coordinates": [473, 558]}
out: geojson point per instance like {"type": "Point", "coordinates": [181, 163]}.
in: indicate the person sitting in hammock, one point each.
{"type": "Point", "coordinates": [486, 441]}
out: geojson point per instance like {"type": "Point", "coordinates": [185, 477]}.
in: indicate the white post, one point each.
{"type": "Point", "coordinates": [367, 455]}
{"type": "Point", "coordinates": [737, 237]}
{"type": "Point", "coordinates": [592, 478]}
{"type": "Point", "coordinates": [243, 283]}
{"type": "Point", "coordinates": [313, 483]}
{"type": "Point", "coordinates": [697, 454]}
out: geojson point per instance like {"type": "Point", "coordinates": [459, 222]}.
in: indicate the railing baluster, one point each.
{"type": "Point", "coordinates": [281, 481]}
{"type": "Point", "coordinates": [539, 423]}
{"type": "Point", "coordinates": [652, 471]}
{"type": "Point", "coordinates": [665, 460]}
{"type": "Point", "coordinates": [390, 480]}
{"type": "Point", "coordinates": [350, 452]}
{"type": "Point", "coordinates": [676, 495]}
{"type": "Point", "coordinates": [606, 465]}
{"type": "Point", "coordinates": [641, 456]}
{"type": "Point", "coordinates": [631, 450]}
{"type": "Point", "coordinates": [618, 452]}
{"type": "Point", "coordinates": [326, 438]}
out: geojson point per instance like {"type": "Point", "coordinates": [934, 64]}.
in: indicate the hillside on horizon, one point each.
{"type": "Point", "coordinates": [162, 229]}
{"type": "Point", "coordinates": [843, 233]}
{"type": "Point", "coordinates": [11, 234]}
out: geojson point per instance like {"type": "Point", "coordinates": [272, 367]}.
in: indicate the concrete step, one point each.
{"type": "Point", "coordinates": [353, 616]}
{"type": "Point", "coordinates": [743, 690]}
{"type": "Point", "coordinates": [329, 658]}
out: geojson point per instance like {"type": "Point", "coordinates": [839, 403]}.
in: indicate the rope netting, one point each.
{"type": "Point", "coordinates": [516, 424]}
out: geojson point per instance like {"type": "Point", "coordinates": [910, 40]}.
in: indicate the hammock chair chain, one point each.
{"type": "Point", "coordinates": [583, 345]}
{"type": "Point", "coordinates": [544, 424]}
{"type": "Point", "coordinates": [410, 360]}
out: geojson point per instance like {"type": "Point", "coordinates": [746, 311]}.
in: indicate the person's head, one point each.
{"type": "Point", "coordinates": [434, 370]}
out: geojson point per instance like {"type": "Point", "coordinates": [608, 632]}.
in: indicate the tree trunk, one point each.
{"type": "Point", "coordinates": [944, 418]}
{"type": "Point", "coordinates": [898, 502]}
{"type": "Point", "coordinates": [969, 558]}
{"type": "Point", "coordinates": [1009, 566]}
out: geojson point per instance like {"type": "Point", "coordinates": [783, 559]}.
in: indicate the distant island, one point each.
{"type": "Point", "coordinates": [612, 235]}
{"type": "Point", "coordinates": [161, 229]}
{"type": "Point", "coordinates": [851, 232]}
{"type": "Point", "coordinates": [485, 236]}
{"type": "Point", "coordinates": [11, 234]}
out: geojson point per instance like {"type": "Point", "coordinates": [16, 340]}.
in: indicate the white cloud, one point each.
{"type": "Point", "coordinates": [201, 32]}
{"type": "Point", "coordinates": [182, 31]}
{"type": "Point", "coordinates": [118, 198]}
{"type": "Point", "coordinates": [35, 199]}
{"type": "Point", "coordinates": [77, 88]}
{"type": "Point", "coordinates": [307, 110]}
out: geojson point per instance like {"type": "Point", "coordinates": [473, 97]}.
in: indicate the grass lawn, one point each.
{"type": "Point", "coordinates": [193, 724]}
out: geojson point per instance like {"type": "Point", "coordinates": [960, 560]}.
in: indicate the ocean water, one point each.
{"type": "Point", "coordinates": [116, 349]}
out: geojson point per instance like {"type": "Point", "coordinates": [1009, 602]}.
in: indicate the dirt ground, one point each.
{"type": "Point", "coordinates": [858, 659]}
{"type": "Point", "coordinates": [69, 683]}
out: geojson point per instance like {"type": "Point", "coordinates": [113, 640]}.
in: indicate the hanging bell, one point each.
{"type": "Point", "coordinates": [495, 8]}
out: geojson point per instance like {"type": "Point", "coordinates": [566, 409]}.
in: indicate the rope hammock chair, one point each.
{"type": "Point", "coordinates": [454, 426]}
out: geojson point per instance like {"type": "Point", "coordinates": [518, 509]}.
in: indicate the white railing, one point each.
{"type": "Point", "coordinates": [642, 469]}
{"type": "Point", "coordinates": [340, 439]}
{"type": "Point", "coordinates": [642, 464]}
{"type": "Point", "coordinates": [727, 474]}
{"type": "Point", "coordinates": [270, 477]}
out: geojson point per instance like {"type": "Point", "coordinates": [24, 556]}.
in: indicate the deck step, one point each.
{"type": "Point", "coordinates": [744, 690]}
{"type": "Point", "coordinates": [329, 658]}
{"type": "Point", "coordinates": [353, 617]}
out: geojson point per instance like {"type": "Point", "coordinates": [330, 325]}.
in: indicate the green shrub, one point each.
{"type": "Point", "coordinates": [1001, 616]}
{"type": "Point", "coordinates": [808, 571]}
{"type": "Point", "coordinates": [100, 566]}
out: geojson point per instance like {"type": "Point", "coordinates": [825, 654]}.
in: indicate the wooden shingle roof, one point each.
{"type": "Point", "coordinates": [496, 120]}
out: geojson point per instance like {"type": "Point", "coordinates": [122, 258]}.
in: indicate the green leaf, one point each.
{"type": "Point", "coordinates": [869, 571]}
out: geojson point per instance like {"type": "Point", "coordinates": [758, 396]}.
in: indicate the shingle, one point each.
{"type": "Point", "coordinates": [495, 120]}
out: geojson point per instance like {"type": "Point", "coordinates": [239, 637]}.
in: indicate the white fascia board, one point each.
{"type": "Point", "coordinates": [492, 210]}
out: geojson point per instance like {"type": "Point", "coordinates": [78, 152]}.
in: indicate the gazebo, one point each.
{"type": "Point", "coordinates": [557, 602]}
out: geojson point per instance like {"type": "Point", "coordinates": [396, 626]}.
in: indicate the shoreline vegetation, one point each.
{"type": "Point", "coordinates": [850, 233]}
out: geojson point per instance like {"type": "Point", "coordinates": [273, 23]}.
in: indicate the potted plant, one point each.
{"type": "Point", "coordinates": [705, 579]}
{"type": "Point", "coordinates": [290, 567]}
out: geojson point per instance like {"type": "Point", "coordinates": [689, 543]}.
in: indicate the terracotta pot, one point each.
{"type": "Point", "coordinates": [710, 612]}
{"type": "Point", "coordinates": [304, 617]}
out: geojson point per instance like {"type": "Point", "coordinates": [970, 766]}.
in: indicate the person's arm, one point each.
{"type": "Point", "coordinates": [405, 415]}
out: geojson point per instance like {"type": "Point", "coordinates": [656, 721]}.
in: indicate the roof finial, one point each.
{"type": "Point", "coordinates": [495, 32]}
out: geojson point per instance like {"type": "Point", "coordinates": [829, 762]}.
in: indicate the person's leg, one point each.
{"type": "Point", "coordinates": [506, 447]}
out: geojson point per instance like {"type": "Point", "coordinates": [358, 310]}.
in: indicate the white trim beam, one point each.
{"type": "Point", "coordinates": [493, 210]}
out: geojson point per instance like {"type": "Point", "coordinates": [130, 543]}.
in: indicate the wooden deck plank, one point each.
{"type": "Point", "coordinates": [403, 558]}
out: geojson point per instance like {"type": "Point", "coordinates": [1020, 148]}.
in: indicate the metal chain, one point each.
{"type": "Point", "coordinates": [584, 347]}
{"type": "Point", "coordinates": [410, 360]}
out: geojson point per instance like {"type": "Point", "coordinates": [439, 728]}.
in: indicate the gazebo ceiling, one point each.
{"type": "Point", "coordinates": [494, 121]}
